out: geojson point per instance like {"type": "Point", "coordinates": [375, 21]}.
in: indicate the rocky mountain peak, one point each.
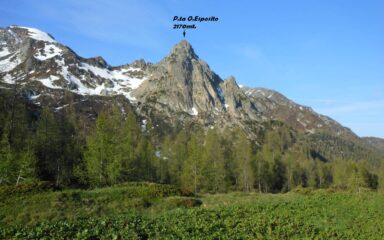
{"type": "Point", "coordinates": [182, 82]}
{"type": "Point", "coordinates": [183, 51]}
{"type": "Point", "coordinates": [231, 81]}
{"type": "Point", "coordinates": [19, 33]}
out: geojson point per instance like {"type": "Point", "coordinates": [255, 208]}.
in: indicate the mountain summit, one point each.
{"type": "Point", "coordinates": [184, 50]}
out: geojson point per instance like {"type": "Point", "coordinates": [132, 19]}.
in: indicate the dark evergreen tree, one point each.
{"type": "Point", "coordinates": [213, 163]}
{"type": "Point", "coordinates": [243, 158]}
{"type": "Point", "coordinates": [177, 155]}
{"type": "Point", "coordinates": [7, 168]}
{"type": "Point", "coordinates": [191, 177]}
{"type": "Point", "coordinates": [103, 155]}
{"type": "Point", "coordinates": [48, 148]}
{"type": "Point", "coordinates": [128, 153]}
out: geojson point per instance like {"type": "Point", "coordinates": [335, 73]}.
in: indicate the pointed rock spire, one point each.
{"type": "Point", "coordinates": [184, 50]}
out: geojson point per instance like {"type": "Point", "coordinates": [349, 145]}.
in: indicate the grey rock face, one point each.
{"type": "Point", "coordinates": [183, 83]}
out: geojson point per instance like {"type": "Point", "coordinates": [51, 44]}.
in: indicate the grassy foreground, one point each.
{"type": "Point", "coordinates": [151, 211]}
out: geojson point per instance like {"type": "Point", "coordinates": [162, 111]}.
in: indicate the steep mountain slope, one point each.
{"type": "Point", "coordinates": [29, 56]}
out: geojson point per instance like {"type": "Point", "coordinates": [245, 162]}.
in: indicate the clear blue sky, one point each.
{"type": "Point", "coordinates": [327, 54]}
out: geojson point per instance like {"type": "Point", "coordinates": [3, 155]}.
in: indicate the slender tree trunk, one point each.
{"type": "Point", "coordinates": [289, 179]}
{"type": "Point", "coordinates": [58, 172]}
{"type": "Point", "coordinates": [259, 177]}
{"type": "Point", "coordinates": [18, 178]}
{"type": "Point", "coordinates": [195, 179]}
{"type": "Point", "coordinates": [245, 179]}
{"type": "Point", "coordinates": [101, 169]}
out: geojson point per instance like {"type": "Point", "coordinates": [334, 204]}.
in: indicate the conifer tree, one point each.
{"type": "Point", "coordinates": [48, 150]}
{"type": "Point", "coordinates": [145, 155]}
{"type": "Point", "coordinates": [290, 170]}
{"type": "Point", "coordinates": [117, 151]}
{"type": "Point", "coordinates": [244, 164]}
{"type": "Point", "coordinates": [356, 178]}
{"type": "Point", "coordinates": [96, 154]}
{"type": "Point", "coordinates": [178, 157]}
{"type": "Point", "coordinates": [325, 174]}
{"type": "Point", "coordinates": [6, 160]}
{"type": "Point", "coordinates": [72, 137]}
{"type": "Point", "coordinates": [26, 163]}
{"type": "Point", "coordinates": [213, 163]}
{"type": "Point", "coordinates": [114, 140]}
{"type": "Point", "coordinates": [192, 168]}
{"type": "Point", "coordinates": [340, 173]}
{"type": "Point", "coordinates": [128, 149]}
{"type": "Point", "coordinates": [165, 157]}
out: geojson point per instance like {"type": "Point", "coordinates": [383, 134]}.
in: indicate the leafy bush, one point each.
{"type": "Point", "coordinates": [22, 189]}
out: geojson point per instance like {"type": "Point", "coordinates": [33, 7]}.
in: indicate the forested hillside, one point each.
{"type": "Point", "coordinates": [43, 144]}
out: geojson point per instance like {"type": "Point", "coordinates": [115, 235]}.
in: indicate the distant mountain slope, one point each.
{"type": "Point", "coordinates": [378, 143]}
{"type": "Point", "coordinates": [276, 106]}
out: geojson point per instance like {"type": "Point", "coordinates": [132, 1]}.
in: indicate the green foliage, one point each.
{"type": "Point", "coordinates": [318, 215]}
{"type": "Point", "coordinates": [11, 191]}
{"type": "Point", "coordinates": [213, 165]}
{"type": "Point", "coordinates": [101, 150]}
{"type": "Point", "coordinates": [353, 175]}
{"type": "Point", "coordinates": [243, 161]}
{"type": "Point", "coordinates": [130, 137]}
{"type": "Point", "coordinates": [50, 149]}
{"type": "Point", "coordinates": [118, 151]}
{"type": "Point", "coordinates": [175, 153]}
{"type": "Point", "coordinates": [192, 175]}
{"type": "Point", "coordinates": [33, 203]}
{"type": "Point", "coordinates": [7, 170]}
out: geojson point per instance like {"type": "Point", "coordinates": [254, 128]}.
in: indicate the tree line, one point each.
{"type": "Point", "coordinates": [55, 147]}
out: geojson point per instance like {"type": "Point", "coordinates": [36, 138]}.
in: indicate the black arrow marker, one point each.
{"type": "Point", "coordinates": [184, 33]}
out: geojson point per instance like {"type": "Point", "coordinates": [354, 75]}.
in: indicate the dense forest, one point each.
{"type": "Point", "coordinates": [59, 147]}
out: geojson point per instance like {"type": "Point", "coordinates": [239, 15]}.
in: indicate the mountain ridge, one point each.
{"type": "Point", "coordinates": [180, 86]}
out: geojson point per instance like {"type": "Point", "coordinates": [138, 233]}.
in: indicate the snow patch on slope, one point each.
{"type": "Point", "coordinates": [8, 79]}
{"type": "Point", "coordinates": [7, 64]}
{"type": "Point", "coordinates": [117, 75]}
{"type": "Point", "coordinates": [4, 52]}
{"type": "Point", "coordinates": [104, 73]}
{"type": "Point", "coordinates": [49, 51]}
{"type": "Point", "coordinates": [116, 83]}
{"type": "Point", "coordinates": [193, 112]}
{"type": "Point", "coordinates": [48, 82]}
{"type": "Point", "coordinates": [39, 35]}
{"type": "Point", "coordinates": [72, 79]}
